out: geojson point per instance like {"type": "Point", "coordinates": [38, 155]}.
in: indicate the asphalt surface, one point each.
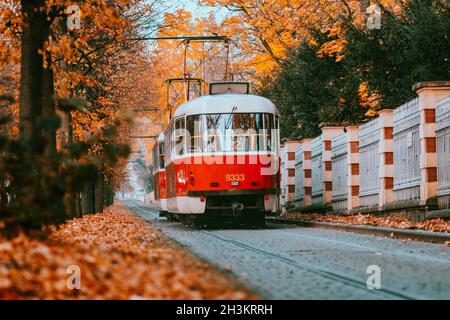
{"type": "Point", "coordinates": [286, 262]}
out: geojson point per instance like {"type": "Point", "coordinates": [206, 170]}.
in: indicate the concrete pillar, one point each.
{"type": "Point", "coordinates": [429, 93]}
{"type": "Point", "coordinates": [288, 169]}
{"type": "Point", "coordinates": [307, 172]}
{"type": "Point", "coordinates": [386, 153]}
{"type": "Point", "coordinates": [328, 133]}
{"type": "Point", "coordinates": [353, 167]}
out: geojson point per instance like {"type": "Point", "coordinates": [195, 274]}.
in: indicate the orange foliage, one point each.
{"type": "Point", "coordinates": [99, 61]}
{"type": "Point", "coordinates": [368, 100]}
{"type": "Point", "coordinates": [266, 29]}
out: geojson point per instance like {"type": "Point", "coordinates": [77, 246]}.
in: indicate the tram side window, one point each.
{"type": "Point", "coordinates": [179, 136]}
{"type": "Point", "coordinates": [161, 155]}
{"type": "Point", "coordinates": [171, 138]}
{"type": "Point", "coordinates": [155, 165]}
{"type": "Point", "coordinates": [194, 130]}
{"type": "Point", "coordinates": [168, 143]}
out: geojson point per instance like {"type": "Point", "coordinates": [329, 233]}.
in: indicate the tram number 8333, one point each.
{"type": "Point", "coordinates": [235, 177]}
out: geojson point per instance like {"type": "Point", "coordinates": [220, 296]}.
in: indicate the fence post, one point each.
{"type": "Point", "coordinates": [443, 153]}
{"type": "Point", "coordinates": [307, 172]}
{"type": "Point", "coordinates": [288, 171]}
{"type": "Point", "coordinates": [429, 93]}
{"type": "Point", "coordinates": [353, 167]}
{"type": "Point", "coordinates": [386, 152]}
{"type": "Point", "coordinates": [328, 133]}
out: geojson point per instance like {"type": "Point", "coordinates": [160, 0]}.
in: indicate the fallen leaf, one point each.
{"type": "Point", "coordinates": [118, 255]}
{"type": "Point", "coordinates": [434, 225]}
{"type": "Point", "coordinates": [6, 246]}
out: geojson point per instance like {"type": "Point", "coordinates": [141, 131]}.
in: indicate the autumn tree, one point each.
{"type": "Point", "coordinates": [412, 45]}
{"type": "Point", "coordinates": [265, 30]}
{"type": "Point", "coordinates": [82, 73]}
{"type": "Point", "coordinates": [310, 90]}
{"type": "Point", "coordinates": [347, 73]}
{"type": "Point", "coordinates": [40, 195]}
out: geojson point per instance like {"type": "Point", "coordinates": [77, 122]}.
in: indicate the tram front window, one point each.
{"type": "Point", "coordinates": [215, 132]}
{"type": "Point", "coordinates": [235, 132]}
{"type": "Point", "coordinates": [194, 129]}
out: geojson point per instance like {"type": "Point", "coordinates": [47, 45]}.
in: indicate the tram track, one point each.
{"type": "Point", "coordinates": [333, 276]}
{"type": "Point", "coordinates": [385, 293]}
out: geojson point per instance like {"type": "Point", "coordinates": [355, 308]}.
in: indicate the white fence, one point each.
{"type": "Point", "coordinates": [407, 150]}
{"type": "Point", "coordinates": [299, 177]}
{"type": "Point", "coordinates": [340, 172]}
{"type": "Point", "coordinates": [317, 170]}
{"type": "Point", "coordinates": [284, 176]}
{"type": "Point", "coordinates": [443, 151]}
{"type": "Point", "coordinates": [369, 163]}
{"type": "Point", "coordinates": [399, 161]}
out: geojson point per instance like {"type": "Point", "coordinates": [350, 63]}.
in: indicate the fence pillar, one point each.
{"type": "Point", "coordinates": [353, 167]}
{"type": "Point", "coordinates": [328, 133]}
{"type": "Point", "coordinates": [429, 93]}
{"type": "Point", "coordinates": [288, 170]}
{"type": "Point", "coordinates": [307, 172]}
{"type": "Point", "coordinates": [386, 153]}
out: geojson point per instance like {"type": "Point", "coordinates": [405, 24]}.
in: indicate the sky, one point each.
{"type": "Point", "coordinates": [197, 10]}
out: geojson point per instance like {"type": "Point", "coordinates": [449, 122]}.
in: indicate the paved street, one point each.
{"type": "Point", "coordinates": [286, 262]}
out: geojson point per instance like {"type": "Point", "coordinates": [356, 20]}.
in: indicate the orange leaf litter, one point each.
{"type": "Point", "coordinates": [120, 256]}
{"type": "Point", "coordinates": [434, 225]}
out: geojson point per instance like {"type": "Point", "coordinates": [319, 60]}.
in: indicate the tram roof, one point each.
{"type": "Point", "coordinates": [224, 103]}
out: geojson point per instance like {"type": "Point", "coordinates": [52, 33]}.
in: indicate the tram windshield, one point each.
{"type": "Point", "coordinates": [231, 132]}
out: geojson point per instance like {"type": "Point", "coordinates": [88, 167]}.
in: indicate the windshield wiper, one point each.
{"type": "Point", "coordinates": [229, 118]}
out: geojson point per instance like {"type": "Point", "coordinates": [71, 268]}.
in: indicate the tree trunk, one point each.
{"type": "Point", "coordinates": [108, 194]}
{"type": "Point", "coordinates": [364, 4]}
{"type": "Point", "coordinates": [99, 193]}
{"type": "Point", "coordinates": [88, 199]}
{"type": "Point", "coordinates": [36, 82]}
{"type": "Point", "coordinates": [3, 195]}
{"type": "Point", "coordinates": [78, 205]}
{"type": "Point", "coordinates": [40, 200]}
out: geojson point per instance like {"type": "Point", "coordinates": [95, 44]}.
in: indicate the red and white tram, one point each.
{"type": "Point", "coordinates": [159, 175]}
{"type": "Point", "coordinates": [222, 157]}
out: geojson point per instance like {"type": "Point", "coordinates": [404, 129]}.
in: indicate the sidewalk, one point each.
{"type": "Point", "coordinates": [434, 225]}
{"type": "Point", "coordinates": [435, 230]}
{"type": "Point", "coordinates": [118, 255]}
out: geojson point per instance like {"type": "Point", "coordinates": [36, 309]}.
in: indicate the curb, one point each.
{"type": "Point", "coordinates": [404, 234]}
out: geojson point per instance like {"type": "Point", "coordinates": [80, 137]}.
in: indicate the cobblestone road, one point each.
{"type": "Point", "coordinates": [285, 262]}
